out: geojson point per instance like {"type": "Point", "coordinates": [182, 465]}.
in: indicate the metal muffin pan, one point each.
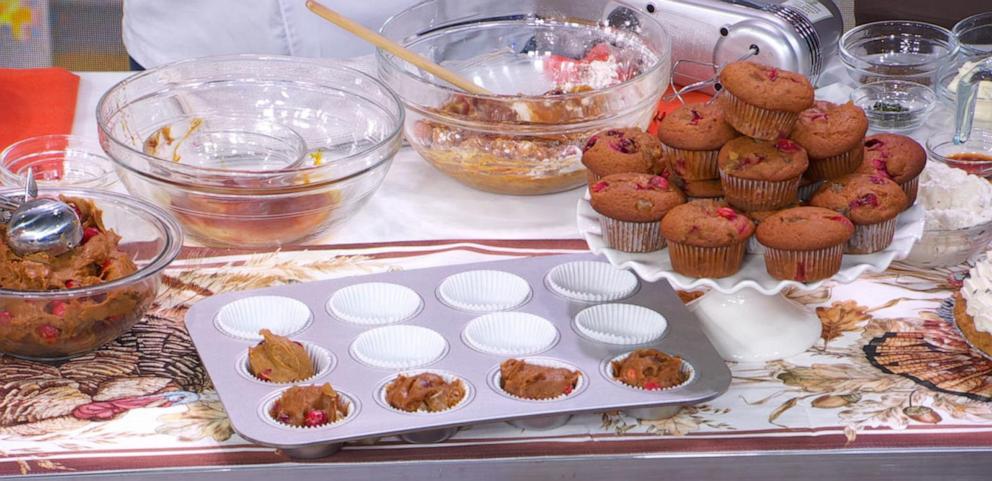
{"type": "Point", "coordinates": [243, 397]}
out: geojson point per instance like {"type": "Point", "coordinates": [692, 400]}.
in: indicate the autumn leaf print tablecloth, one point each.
{"type": "Point", "coordinates": [888, 372]}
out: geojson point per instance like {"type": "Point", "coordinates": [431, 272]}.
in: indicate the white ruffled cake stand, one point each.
{"type": "Point", "coordinates": [745, 315]}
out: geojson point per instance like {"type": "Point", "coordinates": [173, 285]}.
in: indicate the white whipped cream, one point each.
{"type": "Point", "coordinates": [953, 198]}
{"type": "Point", "coordinates": [977, 290]}
{"type": "Point", "coordinates": [983, 107]}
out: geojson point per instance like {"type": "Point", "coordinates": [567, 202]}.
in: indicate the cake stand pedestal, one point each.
{"type": "Point", "coordinates": [748, 326]}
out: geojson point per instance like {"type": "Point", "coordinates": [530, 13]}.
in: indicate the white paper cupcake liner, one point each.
{"type": "Point", "coordinates": [495, 379]}
{"type": "Point", "coordinates": [375, 303]}
{"type": "Point", "coordinates": [754, 121]}
{"type": "Point", "coordinates": [817, 264]}
{"type": "Point", "coordinates": [695, 165]}
{"type": "Point", "coordinates": [265, 410]}
{"type": "Point", "coordinates": [697, 261]}
{"type": "Point", "coordinates": [620, 324]}
{"type": "Point", "coordinates": [911, 188]}
{"type": "Point", "coordinates": [871, 238]}
{"type": "Point", "coordinates": [323, 363]}
{"type": "Point", "coordinates": [755, 195]}
{"type": "Point", "coordinates": [806, 191]}
{"type": "Point", "coordinates": [398, 347]}
{"type": "Point", "coordinates": [592, 281]}
{"type": "Point", "coordinates": [837, 165]}
{"type": "Point", "coordinates": [447, 376]}
{"type": "Point", "coordinates": [632, 236]}
{"type": "Point", "coordinates": [243, 318]}
{"type": "Point", "coordinates": [510, 334]}
{"type": "Point", "coordinates": [484, 291]}
{"type": "Point", "coordinates": [606, 369]}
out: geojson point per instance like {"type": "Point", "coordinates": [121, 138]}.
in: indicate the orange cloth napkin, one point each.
{"type": "Point", "coordinates": [36, 102]}
{"type": "Point", "coordinates": [665, 107]}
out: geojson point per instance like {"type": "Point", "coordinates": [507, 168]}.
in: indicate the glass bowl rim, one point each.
{"type": "Point", "coordinates": [389, 60]}
{"type": "Point", "coordinates": [393, 132]}
{"type": "Point", "coordinates": [173, 237]}
{"type": "Point", "coordinates": [943, 137]}
{"type": "Point", "coordinates": [854, 61]}
{"type": "Point", "coordinates": [87, 146]}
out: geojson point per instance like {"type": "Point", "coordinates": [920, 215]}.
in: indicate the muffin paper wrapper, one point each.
{"type": "Point", "coordinates": [265, 410]}
{"type": "Point", "coordinates": [632, 236]}
{"type": "Point", "coordinates": [580, 384]}
{"type": "Point", "coordinates": [447, 376]}
{"type": "Point", "coordinates": [375, 303]}
{"type": "Point", "coordinates": [697, 164]}
{"type": "Point", "coordinates": [819, 264]}
{"type": "Point", "coordinates": [695, 261]}
{"type": "Point", "coordinates": [755, 195]}
{"type": "Point", "coordinates": [837, 165]}
{"type": "Point", "coordinates": [620, 324]}
{"type": "Point", "coordinates": [322, 361]}
{"type": "Point", "coordinates": [243, 318]}
{"type": "Point", "coordinates": [484, 291]}
{"type": "Point", "coordinates": [806, 192]}
{"type": "Point", "coordinates": [591, 281]}
{"type": "Point", "coordinates": [871, 238]}
{"type": "Point", "coordinates": [911, 188]}
{"type": "Point", "coordinates": [399, 347]}
{"type": "Point", "coordinates": [607, 368]}
{"type": "Point", "coordinates": [755, 121]}
{"type": "Point", "coordinates": [510, 333]}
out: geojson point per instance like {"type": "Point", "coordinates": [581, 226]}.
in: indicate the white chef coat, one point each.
{"type": "Point", "coordinates": [162, 31]}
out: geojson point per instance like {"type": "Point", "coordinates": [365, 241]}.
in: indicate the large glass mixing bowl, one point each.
{"type": "Point", "coordinates": [252, 151]}
{"type": "Point", "coordinates": [558, 70]}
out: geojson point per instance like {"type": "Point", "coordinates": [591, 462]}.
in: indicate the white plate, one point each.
{"type": "Point", "coordinates": [654, 266]}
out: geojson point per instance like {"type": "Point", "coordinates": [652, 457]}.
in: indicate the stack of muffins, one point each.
{"type": "Point", "coordinates": [766, 169]}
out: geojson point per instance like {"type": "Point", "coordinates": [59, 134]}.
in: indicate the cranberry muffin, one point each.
{"type": "Point", "coordinates": [832, 135]}
{"type": "Point", "coordinates": [804, 244]}
{"type": "Point", "coordinates": [896, 157]}
{"type": "Point", "coordinates": [704, 189]}
{"type": "Point", "coordinates": [753, 246]}
{"type": "Point", "coordinates": [761, 175]}
{"type": "Point", "coordinates": [630, 207]}
{"type": "Point", "coordinates": [691, 137]}
{"type": "Point", "coordinates": [706, 238]}
{"type": "Point", "coordinates": [871, 202]}
{"type": "Point", "coordinates": [620, 151]}
{"type": "Point", "coordinates": [761, 101]}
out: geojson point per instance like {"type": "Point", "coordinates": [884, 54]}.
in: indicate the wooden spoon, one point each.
{"type": "Point", "coordinates": [394, 48]}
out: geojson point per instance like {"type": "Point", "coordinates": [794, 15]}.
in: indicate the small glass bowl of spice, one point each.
{"type": "Point", "coordinates": [973, 156]}
{"type": "Point", "coordinates": [895, 105]}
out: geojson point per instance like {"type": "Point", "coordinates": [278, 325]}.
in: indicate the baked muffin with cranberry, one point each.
{"type": "Point", "coordinates": [871, 202]}
{"type": "Point", "coordinates": [759, 216]}
{"type": "Point", "coordinates": [691, 137]}
{"type": "Point", "coordinates": [621, 151]}
{"type": "Point", "coordinates": [706, 238]}
{"type": "Point", "coordinates": [804, 244]}
{"type": "Point", "coordinates": [762, 101]}
{"type": "Point", "coordinates": [761, 175]}
{"type": "Point", "coordinates": [896, 157]}
{"type": "Point", "coordinates": [832, 135]}
{"type": "Point", "coordinates": [630, 208]}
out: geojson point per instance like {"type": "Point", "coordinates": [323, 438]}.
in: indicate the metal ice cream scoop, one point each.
{"type": "Point", "coordinates": [43, 225]}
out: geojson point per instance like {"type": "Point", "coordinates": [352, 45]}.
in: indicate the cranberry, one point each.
{"type": "Point", "coordinates": [726, 213]}
{"type": "Point", "coordinates": [599, 186]}
{"type": "Point", "coordinates": [56, 308]}
{"type": "Point", "coordinates": [814, 114]}
{"type": "Point", "coordinates": [568, 389]}
{"type": "Point", "coordinates": [659, 117]}
{"type": "Point", "coordinates": [659, 182]}
{"type": "Point", "coordinates": [696, 117]}
{"type": "Point", "coordinates": [71, 284]}
{"type": "Point", "coordinates": [5, 317]}
{"type": "Point", "coordinates": [786, 145]}
{"type": "Point", "coordinates": [869, 200]}
{"type": "Point", "coordinates": [680, 166]}
{"type": "Point", "coordinates": [630, 375]}
{"type": "Point", "coordinates": [589, 143]}
{"type": "Point", "coordinates": [265, 375]}
{"type": "Point", "coordinates": [877, 179]}
{"type": "Point", "coordinates": [742, 228]}
{"type": "Point", "coordinates": [773, 74]}
{"type": "Point", "coordinates": [839, 218]}
{"type": "Point", "coordinates": [873, 144]}
{"type": "Point", "coordinates": [104, 267]}
{"type": "Point", "coordinates": [614, 133]}
{"type": "Point", "coordinates": [283, 418]}
{"type": "Point", "coordinates": [651, 386]}
{"type": "Point", "coordinates": [89, 233]}
{"type": "Point", "coordinates": [625, 145]}
{"type": "Point", "coordinates": [751, 159]}
{"type": "Point", "coordinates": [315, 418]}
{"type": "Point", "coordinates": [801, 272]}
{"type": "Point", "coordinates": [48, 332]}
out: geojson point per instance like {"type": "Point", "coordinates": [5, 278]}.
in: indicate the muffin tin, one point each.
{"type": "Point", "coordinates": [457, 330]}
